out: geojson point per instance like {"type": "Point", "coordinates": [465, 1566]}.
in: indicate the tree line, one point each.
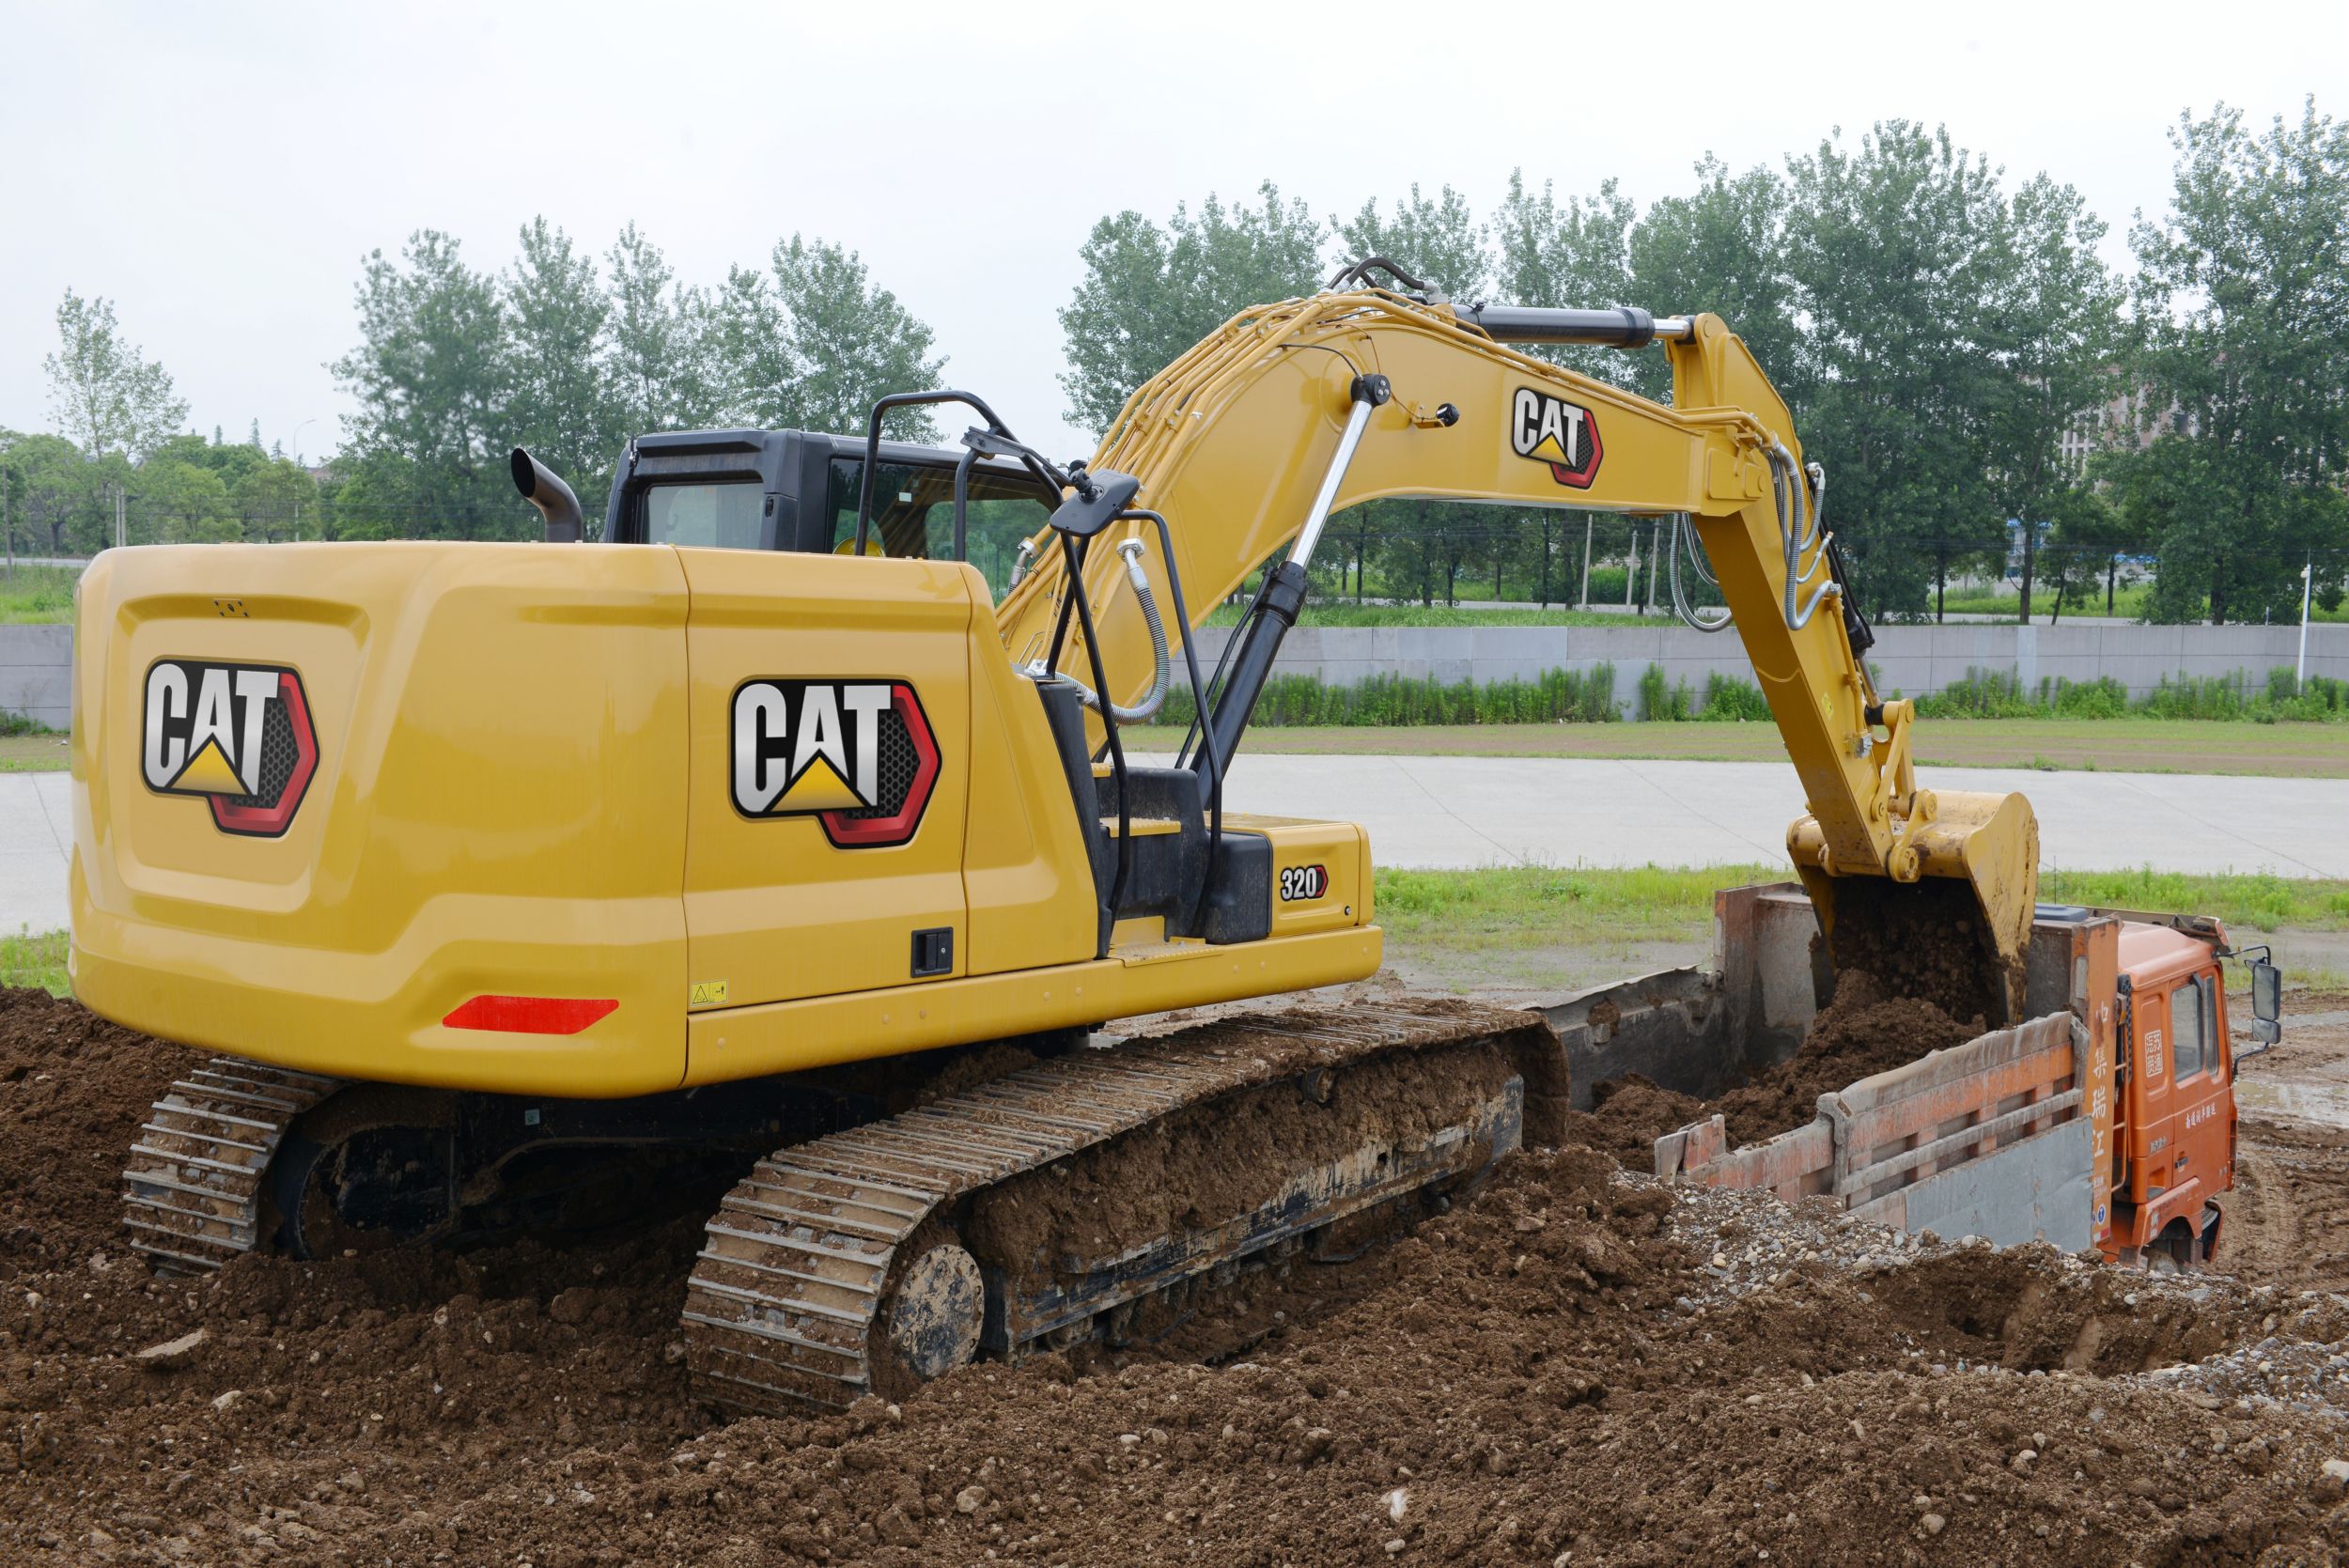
{"type": "Point", "coordinates": [1987, 395]}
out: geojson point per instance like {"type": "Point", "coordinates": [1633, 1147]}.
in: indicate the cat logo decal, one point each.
{"type": "Point", "coordinates": [237, 735]}
{"type": "Point", "coordinates": [858, 755]}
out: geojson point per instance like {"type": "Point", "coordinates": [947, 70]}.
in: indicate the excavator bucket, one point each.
{"type": "Point", "coordinates": [1957, 933]}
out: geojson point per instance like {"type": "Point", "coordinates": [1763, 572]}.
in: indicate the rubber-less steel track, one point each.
{"type": "Point", "coordinates": [192, 1194]}
{"type": "Point", "coordinates": [789, 1304]}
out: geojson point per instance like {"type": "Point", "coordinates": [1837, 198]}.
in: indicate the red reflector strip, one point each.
{"type": "Point", "coordinates": [531, 1014]}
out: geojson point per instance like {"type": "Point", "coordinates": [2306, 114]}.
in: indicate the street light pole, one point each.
{"type": "Point", "coordinates": [2308, 583]}
{"type": "Point", "coordinates": [297, 439]}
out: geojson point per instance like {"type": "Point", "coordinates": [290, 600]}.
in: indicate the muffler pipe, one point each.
{"type": "Point", "coordinates": [544, 489]}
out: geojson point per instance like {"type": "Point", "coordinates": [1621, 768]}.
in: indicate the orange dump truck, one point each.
{"type": "Point", "coordinates": [2106, 1118]}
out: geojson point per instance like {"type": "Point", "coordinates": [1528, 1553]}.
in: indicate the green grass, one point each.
{"type": "Point", "coordinates": [2254, 901]}
{"type": "Point", "coordinates": [1435, 916]}
{"type": "Point", "coordinates": [1541, 906]}
{"type": "Point", "coordinates": [38, 593]}
{"type": "Point", "coordinates": [33, 751]}
{"type": "Point", "coordinates": [27, 959]}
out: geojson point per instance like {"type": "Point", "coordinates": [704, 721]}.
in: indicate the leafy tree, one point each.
{"type": "Point", "coordinates": [276, 500]}
{"type": "Point", "coordinates": [56, 491]}
{"type": "Point", "coordinates": [2049, 323]}
{"type": "Point", "coordinates": [2242, 294]}
{"type": "Point", "coordinates": [1573, 255]}
{"type": "Point", "coordinates": [431, 377]}
{"type": "Point", "coordinates": [1437, 240]}
{"type": "Point", "coordinates": [1891, 251]}
{"type": "Point", "coordinates": [1150, 293]}
{"type": "Point", "coordinates": [2089, 534]}
{"type": "Point", "coordinates": [850, 342]}
{"type": "Point", "coordinates": [105, 395]}
{"type": "Point", "coordinates": [812, 345]}
{"type": "Point", "coordinates": [1722, 249]}
{"type": "Point", "coordinates": [172, 501]}
{"type": "Point", "coordinates": [656, 358]}
{"type": "Point", "coordinates": [559, 397]}
{"type": "Point", "coordinates": [751, 368]}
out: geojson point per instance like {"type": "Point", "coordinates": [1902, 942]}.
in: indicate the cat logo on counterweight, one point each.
{"type": "Point", "coordinates": [858, 755]}
{"type": "Point", "coordinates": [237, 735]}
{"type": "Point", "coordinates": [1551, 431]}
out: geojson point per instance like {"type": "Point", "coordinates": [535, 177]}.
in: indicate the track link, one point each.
{"type": "Point", "coordinates": [192, 1193]}
{"type": "Point", "coordinates": [788, 1304]}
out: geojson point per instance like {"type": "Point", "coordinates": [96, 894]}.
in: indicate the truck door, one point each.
{"type": "Point", "coordinates": [2201, 1104]}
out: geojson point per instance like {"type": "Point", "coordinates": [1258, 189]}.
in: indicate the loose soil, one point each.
{"type": "Point", "coordinates": [1867, 1029]}
{"type": "Point", "coordinates": [1573, 1366]}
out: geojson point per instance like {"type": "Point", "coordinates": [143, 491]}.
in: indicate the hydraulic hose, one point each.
{"type": "Point", "coordinates": [1144, 711]}
{"type": "Point", "coordinates": [1684, 537]}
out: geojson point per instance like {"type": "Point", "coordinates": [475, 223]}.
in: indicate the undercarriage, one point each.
{"type": "Point", "coordinates": [875, 1236]}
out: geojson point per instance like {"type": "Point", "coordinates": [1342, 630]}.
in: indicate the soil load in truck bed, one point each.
{"type": "Point", "coordinates": [1867, 1029]}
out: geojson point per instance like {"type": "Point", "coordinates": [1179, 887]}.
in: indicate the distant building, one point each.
{"type": "Point", "coordinates": [2120, 424]}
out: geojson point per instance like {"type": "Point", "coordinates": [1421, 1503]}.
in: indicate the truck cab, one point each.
{"type": "Point", "coordinates": [2174, 1143]}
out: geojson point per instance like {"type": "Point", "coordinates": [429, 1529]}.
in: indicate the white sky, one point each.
{"type": "Point", "coordinates": [219, 170]}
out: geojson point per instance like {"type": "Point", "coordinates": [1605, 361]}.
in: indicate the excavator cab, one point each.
{"type": "Point", "coordinates": [798, 490]}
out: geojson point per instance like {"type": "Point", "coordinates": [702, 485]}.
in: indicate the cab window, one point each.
{"type": "Point", "coordinates": [2187, 1035]}
{"type": "Point", "coordinates": [723, 516]}
{"type": "Point", "coordinates": [914, 515]}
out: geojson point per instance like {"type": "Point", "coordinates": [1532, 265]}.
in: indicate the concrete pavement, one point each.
{"type": "Point", "coordinates": [1438, 813]}
{"type": "Point", "coordinates": [1456, 812]}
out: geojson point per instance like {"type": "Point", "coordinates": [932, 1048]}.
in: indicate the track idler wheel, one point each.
{"type": "Point", "coordinates": [370, 1169]}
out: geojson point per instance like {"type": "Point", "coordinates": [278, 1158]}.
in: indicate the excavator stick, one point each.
{"type": "Point", "coordinates": [1974, 939]}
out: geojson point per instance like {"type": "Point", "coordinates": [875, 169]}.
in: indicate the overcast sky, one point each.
{"type": "Point", "coordinates": [220, 170]}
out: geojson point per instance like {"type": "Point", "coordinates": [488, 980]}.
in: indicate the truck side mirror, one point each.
{"type": "Point", "coordinates": [2267, 1001]}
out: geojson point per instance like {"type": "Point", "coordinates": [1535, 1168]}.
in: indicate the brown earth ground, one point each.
{"type": "Point", "coordinates": [1575, 1367]}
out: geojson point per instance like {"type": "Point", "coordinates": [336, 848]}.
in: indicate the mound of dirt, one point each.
{"type": "Point", "coordinates": [1571, 1363]}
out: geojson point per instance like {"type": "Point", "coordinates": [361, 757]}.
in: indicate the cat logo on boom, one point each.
{"type": "Point", "coordinates": [858, 755]}
{"type": "Point", "coordinates": [1554, 432]}
{"type": "Point", "coordinates": [237, 735]}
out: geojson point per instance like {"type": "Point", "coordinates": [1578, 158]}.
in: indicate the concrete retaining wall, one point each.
{"type": "Point", "coordinates": [37, 673]}
{"type": "Point", "coordinates": [36, 660]}
{"type": "Point", "coordinates": [1911, 659]}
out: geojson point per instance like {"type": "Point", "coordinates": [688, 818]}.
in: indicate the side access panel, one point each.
{"type": "Point", "coordinates": [831, 754]}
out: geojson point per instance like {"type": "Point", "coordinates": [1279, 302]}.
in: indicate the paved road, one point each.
{"type": "Point", "coordinates": [1436, 812]}
{"type": "Point", "coordinates": [1451, 812]}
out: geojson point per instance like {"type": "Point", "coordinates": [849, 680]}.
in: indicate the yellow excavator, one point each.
{"type": "Point", "coordinates": [758, 845]}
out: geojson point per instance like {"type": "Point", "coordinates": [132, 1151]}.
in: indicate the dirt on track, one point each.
{"type": "Point", "coordinates": [1571, 1367]}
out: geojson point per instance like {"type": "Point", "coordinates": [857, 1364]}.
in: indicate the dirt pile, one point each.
{"type": "Point", "coordinates": [1571, 1363]}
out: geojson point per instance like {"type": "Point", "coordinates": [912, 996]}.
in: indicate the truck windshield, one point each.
{"type": "Point", "coordinates": [724, 516]}
{"type": "Point", "coordinates": [913, 515]}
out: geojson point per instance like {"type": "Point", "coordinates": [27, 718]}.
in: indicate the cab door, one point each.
{"type": "Point", "coordinates": [2201, 1102]}
{"type": "Point", "coordinates": [829, 716]}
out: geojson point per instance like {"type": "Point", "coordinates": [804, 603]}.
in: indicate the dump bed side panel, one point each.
{"type": "Point", "coordinates": [326, 795]}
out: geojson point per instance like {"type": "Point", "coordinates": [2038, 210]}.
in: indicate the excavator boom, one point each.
{"type": "Point", "coordinates": [1292, 412]}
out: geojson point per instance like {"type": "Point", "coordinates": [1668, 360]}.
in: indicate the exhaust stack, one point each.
{"type": "Point", "coordinates": [544, 489]}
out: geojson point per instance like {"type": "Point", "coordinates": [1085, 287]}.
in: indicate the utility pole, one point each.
{"type": "Point", "coordinates": [118, 521]}
{"type": "Point", "coordinates": [2307, 586]}
{"type": "Point", "coordinates": [1655, 563]}
{"type": "Point", "coordinates": [7, 526]}
{"type": "Point", "coordinates": [297, 539]}
{"type": "Point", "coordinates": [1583, 601]}
{"type": "Point", "coordinates": [1631, 569]}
